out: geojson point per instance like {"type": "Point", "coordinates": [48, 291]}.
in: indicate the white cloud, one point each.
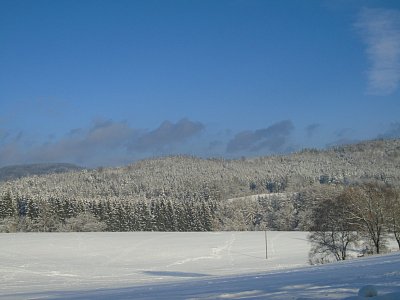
{"type": "Point", "coordinates": [380, 30]}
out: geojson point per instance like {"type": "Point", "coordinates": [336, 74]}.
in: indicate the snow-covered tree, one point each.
{"type": "Point", "coordinates": [369, 210]}
{"type": "Point", "coordinates": [333, 230]}
{"type": "Point", "coordinates": [84, 222]}
{"type": "Point", "coordinates": [7, 206]}
{"type": "Point", "coordinates": [393, 212]}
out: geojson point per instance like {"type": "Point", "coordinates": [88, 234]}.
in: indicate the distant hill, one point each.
{"type": "Point", "coordinates": [20, 171]}
{"type": "Point", "coordinates": [187, 193]}
{"type": "Point", "coordinates": [187, 177]}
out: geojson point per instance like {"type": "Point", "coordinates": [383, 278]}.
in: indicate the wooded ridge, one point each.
{"type": "Point", "coordinates": [283, 183]}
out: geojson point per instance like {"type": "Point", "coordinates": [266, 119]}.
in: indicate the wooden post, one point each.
{"type": "Point", "coordinates": [266, 245]}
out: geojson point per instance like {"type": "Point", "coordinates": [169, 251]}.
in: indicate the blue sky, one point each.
{"type": "Point", "coordinates": [109, 82]}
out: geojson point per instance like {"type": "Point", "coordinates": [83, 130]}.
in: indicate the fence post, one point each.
{"type": "Point", "coordinates": [266, 245]}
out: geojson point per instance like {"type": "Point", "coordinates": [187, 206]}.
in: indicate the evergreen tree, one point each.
{"type": "Point", "coordinates": [171, 222]}
{"type": "Point", "coordinates": [32, 209]}
{"type": "Point", "coordinates": [205, 216]}
{"type": "Point", "coordinates": [181, 224]}
{"type": "Point", "coordinates": [7, 207]}
{"type": "Point", "coordinates": [144, 217]}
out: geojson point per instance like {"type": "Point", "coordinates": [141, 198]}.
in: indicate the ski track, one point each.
{"type": "Point", "coordinates": [215, 253]}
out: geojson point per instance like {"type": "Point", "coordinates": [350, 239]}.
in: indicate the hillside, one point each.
{"type": "Point", "coordinates": [183, 193]}
{"type": "Point", "coordinates": [180, 176]}
{"type": "Point", "coordinates": [18, 171]}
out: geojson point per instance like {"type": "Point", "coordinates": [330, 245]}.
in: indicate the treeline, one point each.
{"type": "Point", "coordinates": [345, 219]}
{"type": "Point", "coordinates": [275, 212]}
{"type": "Point", "coordinates": [181, 189]}
{"type": "Point", "coordinates": [51, 215]}
{"type": "Point", "coordinates": [339, 216]}
{"type": "Point", "coordinates": [179, 177]}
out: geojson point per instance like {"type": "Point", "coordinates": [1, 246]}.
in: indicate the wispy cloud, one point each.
{"type": "Point", "coordinates": [311, 129]}
{"type": "Point", "coordinates": [380, 30]}
{"type": "Point", "coordinates": [272, 138]}
{"type": "Point", "coordinates": [343, 136]}
{"type": "Point", "coordinates": [86, 145]}
{"type": "Point", "coordinates": [392, 132]}
{"type": "Point", "coordinates": [166, 134]}
{"type": "Point", "coordinates": [104, 142]}
{"type": "Point", "coordinates": [3, 134]}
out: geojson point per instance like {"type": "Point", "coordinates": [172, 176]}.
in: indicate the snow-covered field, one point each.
{"type": "Point", "coordinates": [226, 265]}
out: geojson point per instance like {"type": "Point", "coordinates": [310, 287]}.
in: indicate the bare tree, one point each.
{"type": "Point", "coordinates": [369, 207]}
{"type": "Point", "coordinates": [333, 231]}
{"type": "Point", "coordinates": [311, 198]}
{"type": "Point", "coordinates": [84, 222]}
{"type": "Point", "coordinates": [393, 212]}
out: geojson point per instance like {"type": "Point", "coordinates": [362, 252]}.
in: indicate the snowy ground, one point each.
{"type": "Point", "coordinates": [227, 265]}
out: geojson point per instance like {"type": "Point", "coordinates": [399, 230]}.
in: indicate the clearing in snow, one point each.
{"type": "Point", "coordinates": [162, 265]}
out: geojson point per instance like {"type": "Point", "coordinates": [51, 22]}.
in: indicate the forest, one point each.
{"type": "Point", "coordinates": [298, 191]}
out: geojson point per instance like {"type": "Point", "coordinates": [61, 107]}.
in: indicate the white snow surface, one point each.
{"type": "Point", "coordinates": [151, 265]}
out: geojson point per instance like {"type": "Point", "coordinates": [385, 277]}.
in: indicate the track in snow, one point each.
{"type": "Point", "coordinates": [141, 265]}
